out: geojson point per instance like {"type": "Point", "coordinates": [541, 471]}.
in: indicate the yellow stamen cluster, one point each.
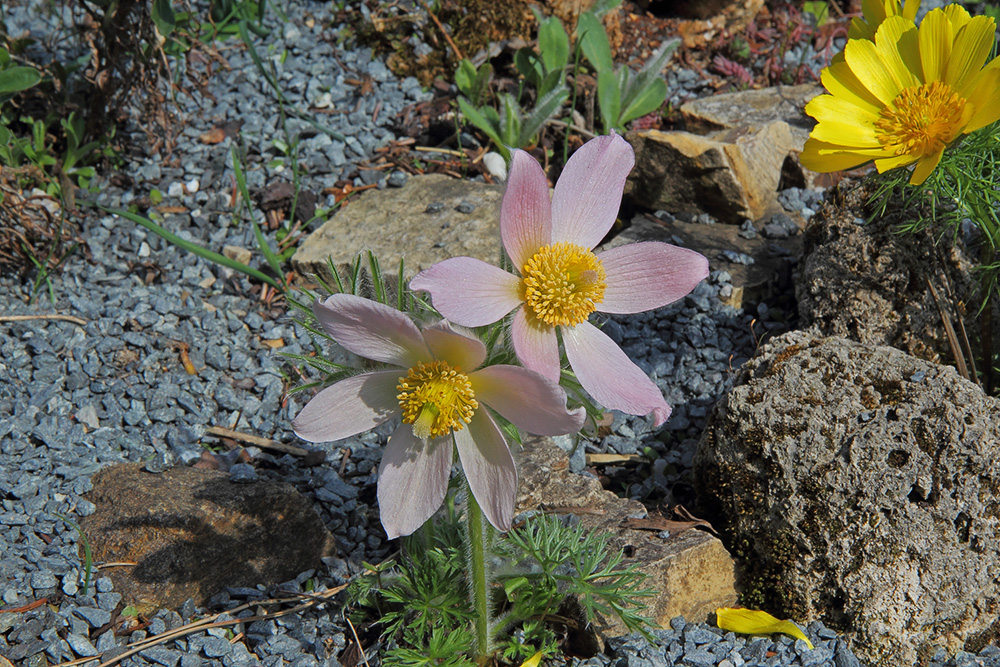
{"type": "Point", "coordinates": [923, 120]}
{"type": "Point", "coordinates": [436, 398]}
{"type": "Point", "coordinates": [562, 284]}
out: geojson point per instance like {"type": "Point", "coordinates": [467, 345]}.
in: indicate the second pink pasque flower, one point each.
{"type": "Point", "coordinates": [561, 281]}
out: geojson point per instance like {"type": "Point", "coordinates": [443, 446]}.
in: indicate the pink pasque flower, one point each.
{"type": "Point", "coordinates": [439, 395]}
{"type": "Point", "coordinates": [561, 281]}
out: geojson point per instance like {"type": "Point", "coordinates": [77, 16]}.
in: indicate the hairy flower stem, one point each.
{"type": "Point", "coordinates": [478, 582]}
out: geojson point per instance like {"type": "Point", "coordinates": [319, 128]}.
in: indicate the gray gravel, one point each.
{"type": "Point", "coordinates": [78, 397]}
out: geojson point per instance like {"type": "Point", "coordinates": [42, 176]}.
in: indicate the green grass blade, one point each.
{"type": "Point", "coordinates": [201, 251]}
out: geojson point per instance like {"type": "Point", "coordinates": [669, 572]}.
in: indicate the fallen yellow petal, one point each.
{"type": "Point", "coordinates": [753, 622]}
{"type": "Point", "coordinates": [533, 660]}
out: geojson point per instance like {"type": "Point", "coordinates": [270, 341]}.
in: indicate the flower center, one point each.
{"type": "Point", "coordinates": [562, 284]}
{"type": "Point", "coordinates": [922, 120]}
{"type": "Point", "coordinates": [436, 398]}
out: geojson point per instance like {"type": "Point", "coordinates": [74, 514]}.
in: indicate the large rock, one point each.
{"type": "Point", "coordinates": [731, 174]}
{"type": "Point", "coordinates": [754, 108]}
{"type": "Point", "coordinates": [690, 572]}
{"type": "Point", "coordinates": [860, 485]}
{"type": "Point", "coordinates": [431, 218]}
{"type": "Point", "coordinates": [192, 532]}
{"type": "Point", "coordinates": [868, 282]}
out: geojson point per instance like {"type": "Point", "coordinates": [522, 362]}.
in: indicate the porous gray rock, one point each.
{"type": "Point", "coordinates": [859, 485]}
{"type": "Point", "coordinates": [867, 282]}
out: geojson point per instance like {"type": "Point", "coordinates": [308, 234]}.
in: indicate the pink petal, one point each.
{"type": "Point", "coordinates": [489, 467]}
{"type": "Point", "coordinates": [348, 407]}
{"type": "Point", "coordinates": [533, 403]}
{"type": "Point", "coordinates": [644, 276]}
{"type": "Point", "coordinates": [372, 330]}
{"type": "Point", "coordinates": [536, 346]}
{"type": "Point", "coordinates": [412, 480]}
{"type": "Point", "coordinates": [463, 351]}
{"type": "Point", "coordinates": [469, 291]}
{"type": "Point", "coordinates": [589, 191]}
{"type": "Point", "coordinates": [526, 211]}
{"type": "Point", "coordinates": [610, 376]}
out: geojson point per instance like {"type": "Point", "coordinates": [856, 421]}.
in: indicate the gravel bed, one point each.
{"type": "Point", "coordinates": [78, 397]}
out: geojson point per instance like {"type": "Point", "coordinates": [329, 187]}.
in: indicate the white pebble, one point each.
{"type": "Point", "coordinates": [175, 190]}
{"type": "Point", "coordinates": [192, 185]}
{"type": "Point", "coordinates": [144, 250]}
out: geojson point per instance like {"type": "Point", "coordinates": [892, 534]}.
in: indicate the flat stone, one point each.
{"type": "Point", "coordinates": [193, 532]}
{"type": "Point", "coordinates": [691, 572]}
{"type": "Point", "coordinates": [732, 174]}
{"type": "Point", "coordinates": [401, 222]}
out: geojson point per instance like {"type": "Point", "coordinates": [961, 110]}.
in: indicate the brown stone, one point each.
{"type": "Point", "coordinates": [690, 572]}
{"type": "Point", "coordinates": [192, 532]}
{"type": "Point", "coordinates": [396, 223]}
{"type": "Point", "coordinates": [713, 18]}
{"type": "Point", "coordinates": [732, 175]}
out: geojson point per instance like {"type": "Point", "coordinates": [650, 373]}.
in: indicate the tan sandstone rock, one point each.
{"type": "Point", "coordinates": [690, 572]}
{"type": "Point", "coordinates": [423, 222]}
{"type": "Point", "coordinates": [732, 174]}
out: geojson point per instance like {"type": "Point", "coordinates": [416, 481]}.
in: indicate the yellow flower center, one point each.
{"type": "Point", "coordinates": [562, 284]}
{"type": "Point", "coordinates": [436, 398]}
{"type": "Point", "coordinates": [922, 120]}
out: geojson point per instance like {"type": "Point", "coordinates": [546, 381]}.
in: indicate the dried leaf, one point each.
{"type": "Point", "coordinates": [659, 523]}
{"type": "Point", "coordinates": [214, 136]}
{"type": "Point", "coordinates": [605, 459]}
{"type": "Point", "coordinates": [753, 622]}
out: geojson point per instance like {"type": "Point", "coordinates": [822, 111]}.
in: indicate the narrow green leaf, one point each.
{"type": "Point", "coordinates": [202, 252]}
{"type": "Point", "coordinates": [510, 121]}
{"type": "Point", "coordinates": [163, 16]}
{"type": "Point", "coordinates": [608, 99]}
{"type": "Point", "coordinates": [594, 42]}
{"type": "Point", "coordinates": [553, 45]}
{"type": "Point", "coordinates": [648, 101]}
{"type": "Point", "coordinates": [544, 109]}
{"type": "Point", "coordinates": [479, 120]}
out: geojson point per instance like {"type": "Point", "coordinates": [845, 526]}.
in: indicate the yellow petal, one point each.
{"type": "Point", "coordinates": [973, 44]}
{"type": "Point", "coordinates": [924, 167]}
{"type": "Point", "coordinates": [866, 63]}
{"type": "Point", "coordinates": [837, 109]}
{"type": "Point", "coordinates": [846, 134]}
{"type": "Point", "coordinates": [751, 622]}
{"type": "Point", "coordinates": [885, 164]}
{"type": "Point", "coordinates": [936, 38]}
{"type": "Point", "coordinates": [841, 82]}
{"type": "Point", "coordinates": [896, 41]}
{"type": "Point", "coordinates": [824, 163]}
{"type": "Point", "coordinates": [985, 100]}
{"type": "Point", "coordinates": [533, 660]}
{"type": "Point", "coordinates": [910, 8]}
{"type": "Point", "coordinates": [957, 15]}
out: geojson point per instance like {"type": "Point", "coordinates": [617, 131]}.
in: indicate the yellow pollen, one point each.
{"type": "Point", "coordinates": [562, 284]}
{"type": "Point", "coordinates": [436, 398]}
{"type": "Point", "coordinates": [922, 120]}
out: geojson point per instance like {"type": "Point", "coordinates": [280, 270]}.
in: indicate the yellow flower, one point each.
{"type": "Point", "coordinates": [876, 11]}
{"type": "Point", "coordinates": [905, 97]}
